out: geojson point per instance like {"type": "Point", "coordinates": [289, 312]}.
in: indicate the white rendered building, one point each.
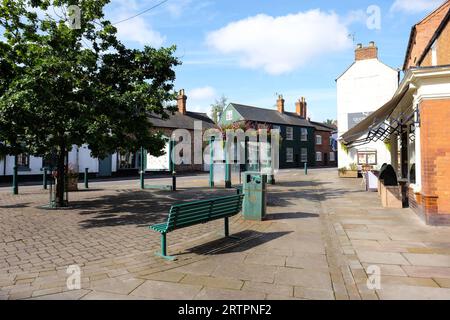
{"type": "Point", "coordinates": [365, 86]}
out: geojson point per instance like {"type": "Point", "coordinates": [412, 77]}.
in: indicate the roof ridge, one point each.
{"type": "Point", "coordinates": [446, 3]}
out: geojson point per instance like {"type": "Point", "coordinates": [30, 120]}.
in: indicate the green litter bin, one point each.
{"type": "Point", "coordinates": [255, 195]}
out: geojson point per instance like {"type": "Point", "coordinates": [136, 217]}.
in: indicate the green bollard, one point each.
{"type": "Point", "coordinates": [306, 169]}
{"type": "Point", "coordinates": [44, 178]}
{"type": "Point", "coordinates": [15, 181]}
{"type": "Point", "coordinates": [227, 173]}
{"type": "Point", "coordinates": [142, 171]}
{"type": "Point", "coordinates": [174, 181]}
{"type": "Point", "coordinates": [211, 162]}
{"type": "Point", "coordinates": [86, 178]}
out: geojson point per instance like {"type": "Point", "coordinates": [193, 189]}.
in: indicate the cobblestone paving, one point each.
{"type": "Point", "coordinates": [320, 236]}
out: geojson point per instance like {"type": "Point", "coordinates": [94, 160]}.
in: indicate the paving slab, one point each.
{"type": "Point", "coordinates": [381, 257]}
{"type": "Point", "coordinates": [166, 290]}
{"type": "Point", "coordinates": [303, 278]}
{"type": "Point", "coordinates": [431, 260]}
{"type": "Point", "coordinates": [225, 294]}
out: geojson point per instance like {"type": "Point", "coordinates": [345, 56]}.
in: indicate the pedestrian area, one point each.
{"type": "Point", "coordinates": [321, 236]}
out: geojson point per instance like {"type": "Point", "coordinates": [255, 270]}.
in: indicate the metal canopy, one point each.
{"type": "Point", "coordinates": [374, 125]}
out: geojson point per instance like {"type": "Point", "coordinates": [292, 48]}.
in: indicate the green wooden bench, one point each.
{"type": "Point", "coordinates": [197, 212]}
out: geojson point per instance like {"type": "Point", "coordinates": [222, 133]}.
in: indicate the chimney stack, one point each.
{"type": "Point", "coordinates": [280, 104]}
{"type": "Point", "coordinates": [305, 108]}
{"type": "Point", "coordinates": [365, 53]}
{"type": "Point", "coordinates": [299, 107]}
{"type": "Point", "coordinates": [181, 101]}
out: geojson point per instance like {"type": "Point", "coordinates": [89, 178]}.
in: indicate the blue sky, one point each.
{"type": "Point", "coordinates": [252, 50]}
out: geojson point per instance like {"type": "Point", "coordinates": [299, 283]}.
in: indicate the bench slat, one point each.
{"type": "Point", "coordinates": [205, 218]}
{"type": "Point", "coordinates": [194, 211]}
{"type": "Point", "coordinates": [206, 201]}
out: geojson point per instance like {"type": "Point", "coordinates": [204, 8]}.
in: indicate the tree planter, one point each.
{"type": "Point", "coordinates": [72, 183]}
{"type": "Point", "coordinates": [348, 174]}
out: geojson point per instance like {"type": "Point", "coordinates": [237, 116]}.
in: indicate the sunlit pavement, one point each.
{"type": "Point", "coordinates": [321, 236]}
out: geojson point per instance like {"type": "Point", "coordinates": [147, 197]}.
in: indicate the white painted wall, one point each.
{"type": "Point", "coordinates": [78, 157]}
{"type": "Point", "coordinates": [364, 87]}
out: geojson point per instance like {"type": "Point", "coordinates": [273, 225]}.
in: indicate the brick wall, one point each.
{"type": "Point", "coordinates": [325, 148]}
{"type": "Point", "coordinates": [365, 53]}
{"type": "Point", "coordinates": [435, 150]}
{"type": "Point", "coordinates": [443, 49]}
{"type": "Point", "coordinates": [424, 32]}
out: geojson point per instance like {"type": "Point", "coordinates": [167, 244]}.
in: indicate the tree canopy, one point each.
{"type": "Point", "coordinates": [61, 86]}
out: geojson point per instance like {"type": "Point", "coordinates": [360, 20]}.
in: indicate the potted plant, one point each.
{"type": "Point", "coordinates": [350, 172]}
{"type": "Point", "coordinates": [72, 178]}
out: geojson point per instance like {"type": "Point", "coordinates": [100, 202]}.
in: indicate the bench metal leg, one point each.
{"type": "Point", "coordinates": [227, 230]}
{"type": "Point", "coordinates": [163, 253]}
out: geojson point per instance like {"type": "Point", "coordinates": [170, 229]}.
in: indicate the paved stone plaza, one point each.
{"type": "Point", "coordinates": [320, 236]}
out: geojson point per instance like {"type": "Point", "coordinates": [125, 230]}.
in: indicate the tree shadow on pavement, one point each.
{"type": "Point", "coordinates": [131, 207]}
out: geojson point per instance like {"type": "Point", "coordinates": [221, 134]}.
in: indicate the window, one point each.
{"type": "Point", "coordinates": [289, 155]}
{"type": "Point", "coordinates": [304, 136]}
{"type": "Point", "coordinates": [318, 140]}
{"type": "Point", "coordinates": [289, 133]}
{"type": "Point", "coordinates": [128, 161]}
{"type": "Point", "coordinates": [434, 61]}
{"type": "Point", "coordinates": [367, 157]}
{"type": "Point", "coordinates": [23, 161]}
{"type": "Point", "coordinates": [332, 157]}
{"type": "Point", "coordinates": [304, 155]}
{"type": "Point", "coordinates": [229, 115]}
{"type": "Point", "coordinates": [318, 156]}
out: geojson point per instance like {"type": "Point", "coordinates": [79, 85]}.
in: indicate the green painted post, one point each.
{"type": "Point", "coordinates": [306, 168]}
{"type": "Point", "coordinates": [211, 162]}
{"type": "Point", "coordinates": [44, 178]}
{"type": "Point", "coordinates": [142, 178]}
{"type": "Point", "coordinates": [172, 165]}
{"type": "Point", "coordinates": [227, 227]}
{"type": "Point", "coordinates": [227, 170]}
{"type": "Point", "coordinates": [15, 181]}
{"type": "Point", "coordinates": [163, 245]}
{"type": "Point", "coordinates": [86, 178]}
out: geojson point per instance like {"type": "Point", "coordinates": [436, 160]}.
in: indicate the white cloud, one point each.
{"type": "Point", "coordinates": [416, 6]}
{"type": "Point", "coordinates": [200, 99]}
{"type": "Point", "coordinates": [177, 7]}
{"type": "Point", "coordinates": [281, 44]}
{"type": "Point", "coordinates": [138, 29]}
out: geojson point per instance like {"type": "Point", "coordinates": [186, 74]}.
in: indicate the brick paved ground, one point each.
{"type": "Point", "coordinates": [320, 235]}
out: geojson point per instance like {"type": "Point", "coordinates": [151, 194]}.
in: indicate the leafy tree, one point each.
{"type": "Point", "coordinates": [61, 86]}
{"type": "Point", "coordinates": [217, 108]}
{"type": "Point", "coordinates": [331, 122]}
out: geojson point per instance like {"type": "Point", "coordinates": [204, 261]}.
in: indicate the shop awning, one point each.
{"type": "Point", "coordinates": [373, 125]}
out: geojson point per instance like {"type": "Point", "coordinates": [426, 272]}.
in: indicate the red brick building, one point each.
{"type": "Point", "coordinates": [415, 122]}
{"type": "Point", "coordinates": [326, 156]}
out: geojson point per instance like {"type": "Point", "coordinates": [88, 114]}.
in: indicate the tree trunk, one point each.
{"type": "Point", "coordinates": [60, 184]}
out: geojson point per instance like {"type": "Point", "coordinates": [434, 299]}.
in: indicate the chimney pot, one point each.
{"type": "Point", "coordinates": [366, 53]}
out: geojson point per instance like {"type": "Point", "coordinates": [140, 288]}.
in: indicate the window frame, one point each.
{"type": "Point", "coordinates": [305, 155]}
{"type": "Point", "coordinates": [229, 115]}
{"type": "Point", "coordinates": [321, 156]}
{"type": "Point", "coordinates": [334, 156]}
{"type": "Point", "coordinates": [21, 166]}
{"type": "Point", "coordinates": [304, 134]}
{"type": "Point", "coordinates": [291, 152]}
{"type": "Point", "coordinates": [289, 133]}
{"type": "Point", "coordinates": [319, 137]}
